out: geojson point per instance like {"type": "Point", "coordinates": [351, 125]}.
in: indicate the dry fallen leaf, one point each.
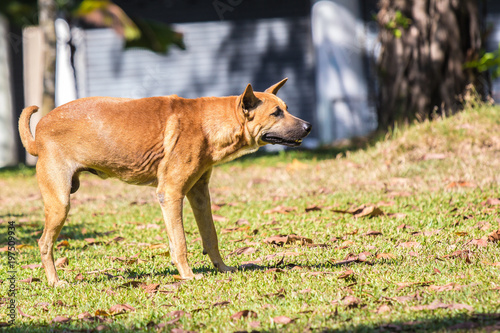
{"type": "Point", "coordinates": [242, 222]}
{"type": "Point", "coordinates": [84, 315]}
{"type": "Point", "coordinates": [133, 284]}
{"type": "Point", "coordinates": [406, 298]}
{"type": "Point", "coordinates": [397, 215]}
{"type": "Point", "coordinates": [223, 303]}
{"type": "Point", "coordinates": [439, 305]}
{"type": "Point", "coordinates": [296, 165]}
{"type": "Point", "coordinates": [244, 314]}
{"type": "Point", "coordinates": [60, 319]}
{"type": "Point", "coordinates": [383, 309]}
{"type": "Point", "coordinates": [402, 285]}
{"type": "Point", "coordinates": [346, 274]}
{"type": "Point", "coordinates": [393, 194]}
{"type": "Point", "coordinates": [62, 262]}
{"type": "Point", "coordinates": [176, 315]}
{"type": "Point", "coordinates": [228, 230]}
{"type": "Point", "coordinates": [281, 240]}
{"type": "Point", "coordinates": [32, 266]}
{"type": "Point", "coordinates": [372, 233]}
{"type": "Point", "coordinates": [280, 209]}
{"type": "Point", "coordinates": [219, 218]}
{"type": "Point", "coordinates": [30, 280]}
{"type": "Point", "coordinates": [368, 211]}
{"type": "Point", "coordinates": [362, 211]}
{"type": "Point", "coordinates": [410, 244]}
{"type": "Point", "coordinates": [491, 202]}
{"type": "Point", "coordinates": [24, 247]}
{"type": "Point", "coordinates": [483, 242]}
{"type": "Point", "coordinates": [305, 291]}
{"type": "Point", "coordinates": [64, 243]}
{"type": "Point", "coordinates": [351, 302]}
{"type": "Point", "coordinates": [151, 288]}
{"type": "Point", "coordinates": [128, 261]}
{"type": "Point", "coordinates": [494, 236]}
{"type": "Point", "coordinates": [385, 203]}
{"type": "Point", "coordinates": [279, 294]}
{"type": "Point", "coordinates": [460, 184]}
{"type": "Point", "coordinates": [24, 314]}
{"type": "Point", "coordinates": [43, 305]}
{"type": "Point", "coordinates": [446, 287]}
{"type": "Point", "coordinates": [312, 208]}
{"type": "Point", "coordinates": [92, 241]}
{"type": "Point", "coordinates": [433, 156]}
{"type": "Point", "coordinates": [117, 239]}
{"type": "Point", "coordinates": [120, 308]}
{"type": "Point", "coordinates": [459, 254]}
{"type": "Point", "coordinates": [483, 226]}
{"type": "Point", "coordinates": [282, 320]}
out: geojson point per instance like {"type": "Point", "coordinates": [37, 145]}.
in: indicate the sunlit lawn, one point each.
{"type": "Point", "coordinates": [425, 264]}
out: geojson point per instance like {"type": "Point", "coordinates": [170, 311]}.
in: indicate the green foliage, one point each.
{"type": "Point", "coordinates": [155, 36]}
{"type": "Point", "coordinates": [20, 12]}
{"type": "Point", "coordinates": [489, 61]}
{"type": "Point", "coordinates": [137, 31]}
{"type": "Point", "coordinates": [106, 13]}
{"type": "Point", "coordinates": [398, 23]}
{"type": "Point", "coordinates": [88, 6]}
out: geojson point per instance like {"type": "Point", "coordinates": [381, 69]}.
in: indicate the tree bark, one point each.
{"type": "Point", "coordinates": [421, 65]}
{"type": "Point", "coordinates": [47, 11]}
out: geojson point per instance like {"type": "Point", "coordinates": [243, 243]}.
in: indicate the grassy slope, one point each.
{"type": "Point", "coordinates": [391, 174]}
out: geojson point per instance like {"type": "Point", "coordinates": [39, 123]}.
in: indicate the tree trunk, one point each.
{"type": "Point", "coordinates": [47, 12]}
{"type": "Point", "coordinates": [425, 44]}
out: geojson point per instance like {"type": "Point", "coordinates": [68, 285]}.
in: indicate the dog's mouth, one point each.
{"type": "Point", "coordinates": [275, 140]}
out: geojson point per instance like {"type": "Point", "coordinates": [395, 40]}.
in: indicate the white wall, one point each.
{"type": "Point", "coordinates": [8, 154]}
{"type": "Point", "coordinates": [343, 106]}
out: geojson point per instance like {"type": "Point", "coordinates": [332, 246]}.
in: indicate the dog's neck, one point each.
{"type": "Point", "coordinates": [231, 139]}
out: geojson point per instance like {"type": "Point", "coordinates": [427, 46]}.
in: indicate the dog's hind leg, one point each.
{"type": "Point", "coordinates": [54, 180]}
{"type": "Point", "coordinates": [199, 198]}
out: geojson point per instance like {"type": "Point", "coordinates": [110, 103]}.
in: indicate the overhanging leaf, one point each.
{"type": "Point", "coordinates": [155, 36]}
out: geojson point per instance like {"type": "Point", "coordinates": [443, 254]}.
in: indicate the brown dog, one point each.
{"type": "Point", "coordinates": [167, 142]}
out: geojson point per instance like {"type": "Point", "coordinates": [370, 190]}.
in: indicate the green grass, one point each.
{"type": "Point", "coordinates": [394, 173]}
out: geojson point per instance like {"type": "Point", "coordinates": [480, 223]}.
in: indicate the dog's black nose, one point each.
{"type": "Point", "coordinates": [306, 126]}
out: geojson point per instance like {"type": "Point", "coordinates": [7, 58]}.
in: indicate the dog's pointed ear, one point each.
{"type": "Point", "coordinates": [248, 99]}
{"type": "Point", "coordinates": [275, 87]}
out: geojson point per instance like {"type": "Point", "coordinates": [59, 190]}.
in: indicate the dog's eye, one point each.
{"type": "Point", "coordinates": [278, 113]}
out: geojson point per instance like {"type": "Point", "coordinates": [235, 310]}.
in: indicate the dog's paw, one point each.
{"type": "Point", "coordinates": [226, 269]}
{"type": "Point", "coordinates": [191, 277]}
{"type": "Point", "coordinates": [61, 284]}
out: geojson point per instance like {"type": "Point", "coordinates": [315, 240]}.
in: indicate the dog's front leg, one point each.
{"type": "Point", "coordinates": [171, 207]}
{"type": "Point", "coordinates": [199, 198]}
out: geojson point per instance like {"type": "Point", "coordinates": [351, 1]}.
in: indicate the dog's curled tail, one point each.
{"type": "Point", "coordinates": [25, 131]}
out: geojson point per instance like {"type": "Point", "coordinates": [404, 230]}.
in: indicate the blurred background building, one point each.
{"type": "Point", "coordinates": [327, 49]}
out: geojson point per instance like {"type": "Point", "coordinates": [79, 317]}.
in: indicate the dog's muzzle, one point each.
{"type": "Point", "coordinates": [291, 139]}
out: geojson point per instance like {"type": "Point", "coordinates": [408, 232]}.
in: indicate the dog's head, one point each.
{"type": "Point", "coordinates": [268, 119]}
